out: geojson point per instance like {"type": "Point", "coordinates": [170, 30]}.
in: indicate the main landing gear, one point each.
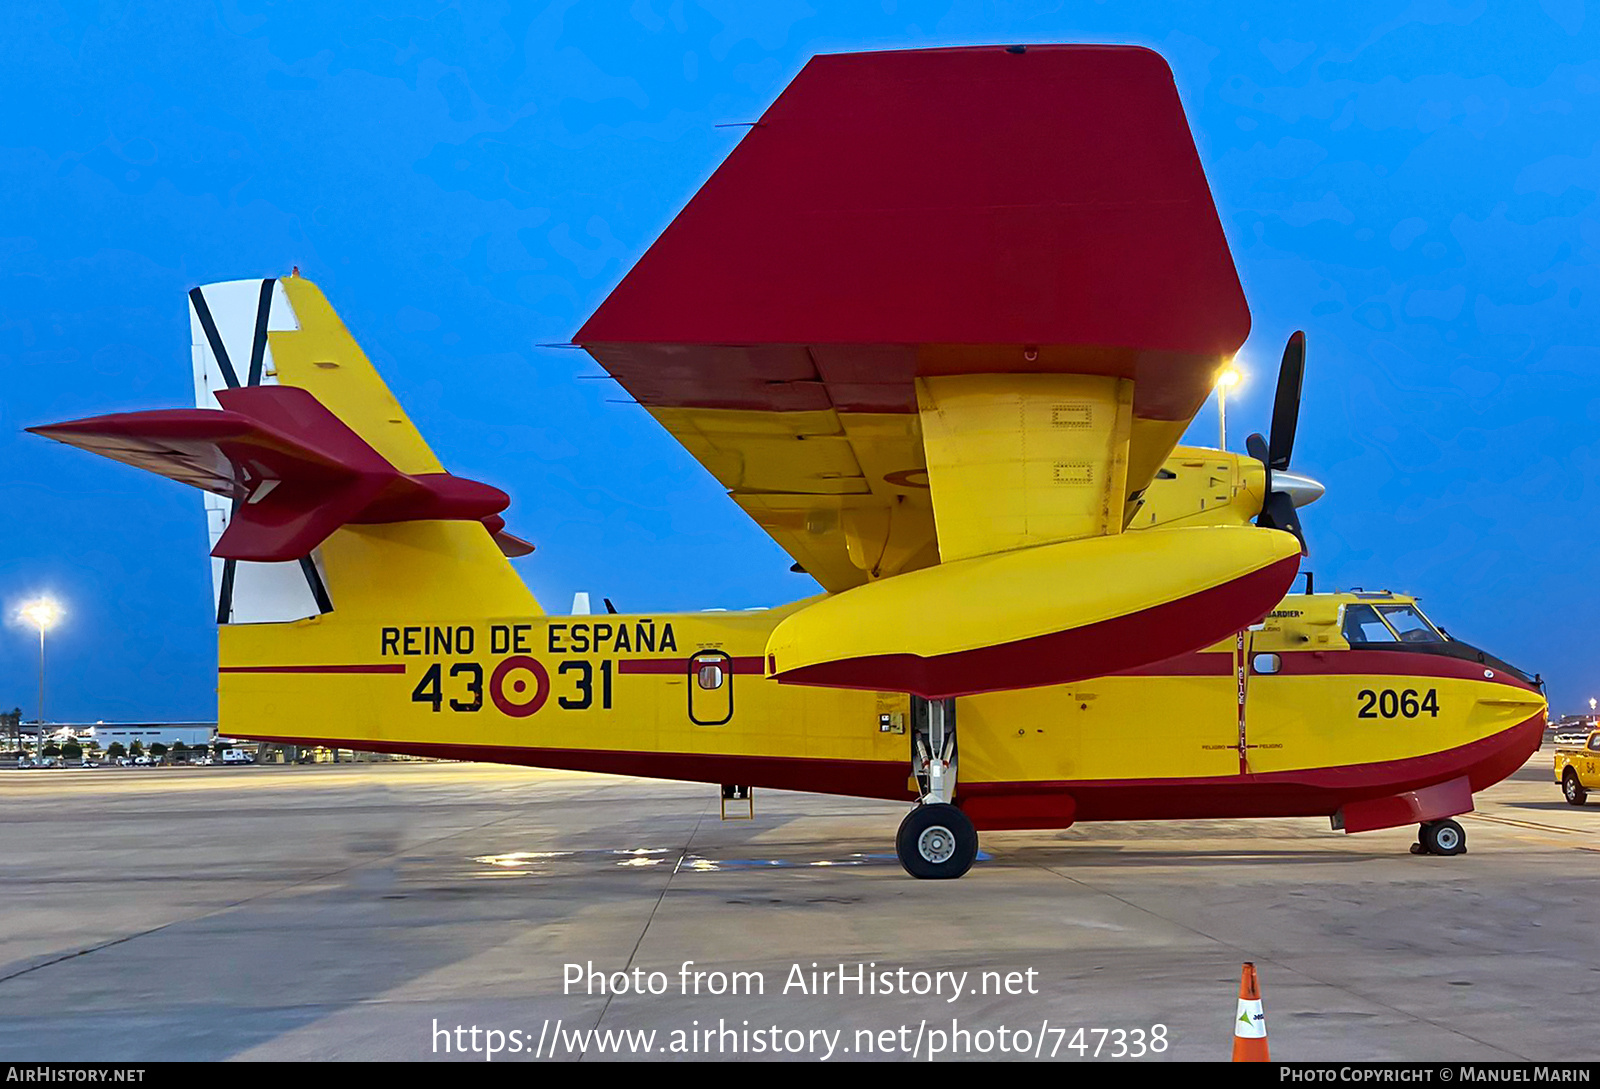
{"type": "Point", "coordinates": [936, 840]}
{"type": "Point", "coordinates": [1444, 837]}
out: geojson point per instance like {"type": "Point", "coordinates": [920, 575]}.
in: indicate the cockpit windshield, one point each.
{"type": "Point", "coordinates": [1388, 624]}
{"type": "Point", "coordinates": [1363, 625]}
{"type": "Point", "coordinates": [1409, 624]}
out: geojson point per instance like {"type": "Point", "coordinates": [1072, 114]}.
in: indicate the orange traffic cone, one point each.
{"type": "Point", "coordinates": [1250, 1026]}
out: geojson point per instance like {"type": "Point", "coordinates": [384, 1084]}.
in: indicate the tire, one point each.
{"type": "Point", "coordinates": [1444, 838]}
{"type": "Point", "coordinates": [1572, 787]}
{"type": "Point", "coordinates": [936, 842]}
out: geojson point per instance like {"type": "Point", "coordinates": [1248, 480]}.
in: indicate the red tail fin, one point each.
{"type": "Point", "coordinates": [295, 471]}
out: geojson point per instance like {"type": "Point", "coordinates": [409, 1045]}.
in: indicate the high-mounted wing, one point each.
{"type": "Point", "coordinates": [925, 215]}
{"type": "Point", "coordinates": [936, 307]}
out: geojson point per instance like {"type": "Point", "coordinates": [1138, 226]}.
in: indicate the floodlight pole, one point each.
{"type": "Point", "coordinates": [41, 691]}
{"type": "Point", "coordinates": [1222, 416]}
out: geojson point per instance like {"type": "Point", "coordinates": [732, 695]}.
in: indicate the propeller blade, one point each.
{"type": "Point", "coordinates": [1286, 404]}
{"type": "Point", "coordinates": [1278, 512]}
{"type": "Point", "coordinates": [1256, 447]}
{"type": "Point", "coordinates": [1278, 505]}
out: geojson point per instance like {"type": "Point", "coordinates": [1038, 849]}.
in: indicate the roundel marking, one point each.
{"type": "Point", "coordinates": [908, 478]}
{"type": "Point", "coordinates": [512, 698]}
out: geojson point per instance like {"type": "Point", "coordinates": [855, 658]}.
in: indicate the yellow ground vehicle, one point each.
{"type": "Point", "coordinates": [1578, 769]}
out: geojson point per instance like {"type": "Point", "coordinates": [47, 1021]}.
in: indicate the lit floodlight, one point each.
{"type": "Point", "coordinates": [43, 613]}
{"type": "Point", "coordinates": [1228, 377]}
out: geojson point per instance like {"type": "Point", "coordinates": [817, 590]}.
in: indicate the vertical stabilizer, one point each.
{"type": "Point", "coordinates": [229, 327]}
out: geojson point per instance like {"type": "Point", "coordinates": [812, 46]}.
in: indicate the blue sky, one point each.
{"type": "Point", "coordinates": [1412, 184]}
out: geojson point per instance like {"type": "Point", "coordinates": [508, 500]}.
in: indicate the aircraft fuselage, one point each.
{"type": "Point", "coordinates": [1329, 727]}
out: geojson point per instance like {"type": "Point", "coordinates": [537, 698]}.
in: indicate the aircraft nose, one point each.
{"type": "Point", "coordinates": [1300, 489]}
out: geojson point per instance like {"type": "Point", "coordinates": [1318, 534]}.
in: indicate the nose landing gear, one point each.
{"type": "Point", "coordinates": [1445, 837]}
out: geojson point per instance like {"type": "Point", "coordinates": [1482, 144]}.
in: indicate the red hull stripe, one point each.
{"type": "Point", "coordinates": [1347, 663]}
{"type": "Point", "coordinates": [1394, 663]}
{"type": "Point", "coordinates": [1094, 650]}
{"type": "Point", "coordinates": [1312, 792]}
{"type": "Point", "coordinates": [679, 667]}
{"type": "Point", "coordinates": [390, 668]}
{"type": "Point", "coordinates": [855, 778]}
{"type": "Point", "coordinates": [1309, 792]}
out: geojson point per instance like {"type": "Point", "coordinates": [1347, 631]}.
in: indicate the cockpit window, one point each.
{"type": "Point", "coordinates": [1362, 624]}
{"type": "Point", "coordinates": [1410, 625]}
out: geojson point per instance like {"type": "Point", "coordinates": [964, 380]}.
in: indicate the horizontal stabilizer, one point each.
{"type": "Point", "coordinates": [294, 471]}
{"type": "Point", "coordinates": [510, 544]}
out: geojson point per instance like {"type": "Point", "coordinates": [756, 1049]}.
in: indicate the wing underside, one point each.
{"type": "Point", "coordinates": [936, 324]}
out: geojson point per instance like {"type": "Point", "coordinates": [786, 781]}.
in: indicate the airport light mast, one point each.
{"type": "Point", "coordinates": [43, 613]}
{"type": "Point", "coordinates": [1227, 378]}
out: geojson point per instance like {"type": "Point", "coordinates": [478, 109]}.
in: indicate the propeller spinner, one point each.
{"type": "Point", "coordinates": [1285, 491]}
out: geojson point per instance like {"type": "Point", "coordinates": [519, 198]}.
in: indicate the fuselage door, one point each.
{"type": "Point", "coordinates": [710, 688]}
{"type": "Point", "coordinates": [1267, 707]}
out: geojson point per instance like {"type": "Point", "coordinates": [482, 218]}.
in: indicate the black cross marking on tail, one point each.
{"type": "Point", "coordinates": [208, 325]}
{"type": "Point", "coordinates": [258, 344]}
{"type": "Point", "coordinates": [253, 377]}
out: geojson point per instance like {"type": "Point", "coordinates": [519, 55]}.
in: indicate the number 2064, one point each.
{"type": "Point", "coordinates": [1389, 703]}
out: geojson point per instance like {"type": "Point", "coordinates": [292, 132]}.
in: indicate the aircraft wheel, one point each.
{"type": "Point", "coordinates": [1445, 837]}
{"type": "Point", "coordinates": [1573, 788]}
{"type": "Point", "coordinates": [936, 841]}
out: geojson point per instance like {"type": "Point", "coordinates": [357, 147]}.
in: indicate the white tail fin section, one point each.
{"type": "Point", "coordinates": [228, 325]}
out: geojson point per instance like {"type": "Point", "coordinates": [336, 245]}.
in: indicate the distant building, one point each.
{"type": "Point", "coordinates": [105, 734]}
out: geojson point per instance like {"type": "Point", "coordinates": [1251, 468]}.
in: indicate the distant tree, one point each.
{"type": "Point", "coordinates": [117, 750]}
{"type": "Point", "coordinates": [51, 749]}
{"type": "Point", "coordinates": [72, 750]}
{"type": "Point", "coordinates": [180, 752]}
{"type": "Point", "coordinates": [217, 748]}
{"type": "Point", "coordinates": [137, 748]}
{"type": "Point", "coordinates": [158, 750]}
